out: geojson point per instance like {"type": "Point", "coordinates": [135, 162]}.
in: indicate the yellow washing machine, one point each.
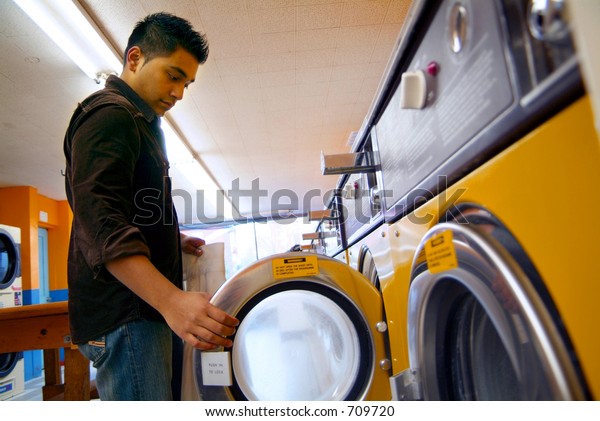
{"type": "Point", "coordinates": [361, 216]}
{"type": "Point", "coordinates": [490, 163]}
{"type": "Point", "coordinates": [308, 332]}
{"type": "Point", "coordinates": [502, 298]}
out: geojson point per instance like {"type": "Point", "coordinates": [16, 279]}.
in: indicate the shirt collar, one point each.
{"type": "Point", "coordinates": [115, 82]}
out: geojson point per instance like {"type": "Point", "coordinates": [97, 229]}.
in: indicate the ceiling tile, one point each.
{"type": "Point", "coordinates": [234, 66]}
{"type": "Point", "coordinates": [314, 59]}
{"type": "Point", "coordinates": [313, 102]}
{"type": "Point", "coordinates": [216, 25]}
{"type": "Point", "coordinates": [279, 42]}
{"type": "Point", "coordinates": [312, 89]}
{"type": "Point", "coordinates": [351, 71]}
{"type": "Point", "coordinates": [240, 82]}
{"type": "Point", "coordinates": [187, 10]}
{"type": "Point", "coordinates": [230, 45]}
{"type": "Point", "coordinates": [319, 16]}
{"type": "Point", "coordinates": [276, 62]}
{"type": "Point", "coordinates": [316, 39]}
{"type": "Point", "coordinates": [315, 75]}
{"type": "Point", "coordinates": [353, 55]}
{"type": "Point", "coordinates": [358, 36]}
{"type": "Point", "coordinates": [279, 78]}
{"type": "Point", "coordinates": [272, 20]}
{"type": "Point", "coordinates": [268, 4]}
{"type": "Point", "coordinates": [366, 12]}
{"type": "Point", "coordinates": [397, 12]}
{"type": "Point", "coordinates": [220, 7]}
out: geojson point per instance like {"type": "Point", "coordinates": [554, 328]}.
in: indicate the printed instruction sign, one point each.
{"type": "Point", "coordinates": [440, 253]}
{"type": "Point", "coordinates": [292, 267]}
{"type": "Point", "coordinates": [216, 369]}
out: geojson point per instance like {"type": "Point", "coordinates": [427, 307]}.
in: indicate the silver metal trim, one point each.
{"type": "Point", "coordinates": [547, 20]}
{"type": "Point", "coordinates": [407, 386]}
{"type": "Point", "coordinates": [551, 80]}
{"type": "Point", "coordinates": [457, 27]}
{"type": "Point", "coordinates": [246, 284]}
{"type": "Point", "coordinates": [349, 163]}
{"type": "Point", "coordinates": [531, 318]}
{"type": "Point", "coordinates": [318, 235]}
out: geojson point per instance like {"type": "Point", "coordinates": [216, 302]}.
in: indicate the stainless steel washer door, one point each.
{"type": "Point", "coordinates": [482, 330]}
{"type": "Point", "coordinates": [302, 336]}
{"type": "Point", "coordinates": [296, 345]}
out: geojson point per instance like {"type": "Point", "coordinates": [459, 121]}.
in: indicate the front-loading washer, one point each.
{"type": "Point", "coordinates": [12, 375]}
{"type": "Point", "coordinates": [308, 331]}
{"type": "Point", "coordinates": [12, 369]}
{"type": "Point", "coordinates": [11, 292]}
{"type": "Point", "coordinates": [502, 298]}
{"type": "Point", "coordinates": [490, 157]}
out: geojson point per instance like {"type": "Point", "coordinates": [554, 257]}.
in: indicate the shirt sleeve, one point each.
{"type": "Point", "coordinates": [105, 149]}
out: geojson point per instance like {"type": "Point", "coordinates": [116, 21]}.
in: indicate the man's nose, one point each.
{"type": "Point", "coordinates": [178, 92]}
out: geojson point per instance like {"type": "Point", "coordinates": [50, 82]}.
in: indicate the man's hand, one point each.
{"type": "Point", "coordinates": [194, 319]}
{"type": "Point", "coordinates": [191, 245]}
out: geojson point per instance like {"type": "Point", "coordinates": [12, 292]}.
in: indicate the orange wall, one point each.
{"type": "Point", "coordinates": [21, 207]}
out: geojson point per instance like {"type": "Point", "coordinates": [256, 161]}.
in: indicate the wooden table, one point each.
{"type": "Point", "coordinates": [46, 327]}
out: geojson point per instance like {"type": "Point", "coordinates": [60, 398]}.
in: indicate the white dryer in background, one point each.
{"type": "Point", "coordinates": [12, 368]}
{"type": "Point", "coordinates": [11, 292]}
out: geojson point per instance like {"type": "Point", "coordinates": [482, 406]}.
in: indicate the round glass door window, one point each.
{"type": "Point", "coordinates": [8, 261]}
{"type": "Point", "coordinates": [296, 345]}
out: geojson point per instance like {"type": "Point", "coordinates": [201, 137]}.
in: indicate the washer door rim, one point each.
{"type": "Point", "coordinates": [366, 347]}
{"type": "Point", "coordinates": [13, 270]}
{"type": "Point", "coordinates": [482, 259]}
{"type": "Point", "coordinates": [257, 279]}
{"type": "Point", "coordinates": [9, 361]}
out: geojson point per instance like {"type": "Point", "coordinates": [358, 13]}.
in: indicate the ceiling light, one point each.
{"type": "Point", "coordinates": [66, 24]}
{"type": "Point", "coordinates": [181, 158]}
{"type": "Point", "coordinates": [69, 26]}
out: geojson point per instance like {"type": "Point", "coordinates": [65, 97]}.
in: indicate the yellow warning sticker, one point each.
{"type": "Point", "coordinates": [293, 267]}
{"type": "Point", "coordinates": [440, 253]}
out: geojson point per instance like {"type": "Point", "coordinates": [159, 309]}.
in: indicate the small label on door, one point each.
{"type": "Point", "coordinates": [440, 253]}
{"type": "Point", "coordinates": [293, 267]}
{"type": "Point", "coordinates": [216, 369]}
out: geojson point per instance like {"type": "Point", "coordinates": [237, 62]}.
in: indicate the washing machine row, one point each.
{"type": "Point", "coordinates": [483, 135]}
{"type": "Point", "coordinates": [12, 370]}
{"type": "Point", "coordinates": [467, 221]}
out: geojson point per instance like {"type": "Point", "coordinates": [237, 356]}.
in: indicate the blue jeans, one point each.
{"type": "Point", "coordinates": [133, 362]}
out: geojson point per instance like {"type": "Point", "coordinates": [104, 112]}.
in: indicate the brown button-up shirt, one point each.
{"type": "Point", "coordinates": [119, 189]}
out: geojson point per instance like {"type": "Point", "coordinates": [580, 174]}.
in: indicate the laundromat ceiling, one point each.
{"type": "Point", "coordinates": [285, 80]}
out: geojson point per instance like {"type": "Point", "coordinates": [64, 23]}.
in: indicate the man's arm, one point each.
{"type": "Point", "coordinates": [189, 314]}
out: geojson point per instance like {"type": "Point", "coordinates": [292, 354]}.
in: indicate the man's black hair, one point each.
{"type": "Point", "coordinates": [160, 34]}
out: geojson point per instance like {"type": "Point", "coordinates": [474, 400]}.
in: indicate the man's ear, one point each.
{"type": "Point", "coordinates": [134, 58]}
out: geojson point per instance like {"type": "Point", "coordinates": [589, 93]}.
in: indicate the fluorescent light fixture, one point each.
{"type": "Point", "coordinates": [75, 34]}
{"type": "Point", "coordinates": [182, 159]}
{"type": "Point", "coordinates": [69, 26]}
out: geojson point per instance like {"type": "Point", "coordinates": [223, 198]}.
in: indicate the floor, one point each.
{"type": "Point", "coordinates": [33, 388]}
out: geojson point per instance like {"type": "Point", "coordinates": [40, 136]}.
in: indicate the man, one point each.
{"type": "Point", "coordinates": [125, 270]}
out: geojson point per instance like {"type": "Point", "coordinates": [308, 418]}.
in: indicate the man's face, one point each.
{"type": "Point", "coordinates": [162, 80]}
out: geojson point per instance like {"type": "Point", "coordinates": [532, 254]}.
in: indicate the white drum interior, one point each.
{"type": "Point", "coordinates": [296, 345]}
